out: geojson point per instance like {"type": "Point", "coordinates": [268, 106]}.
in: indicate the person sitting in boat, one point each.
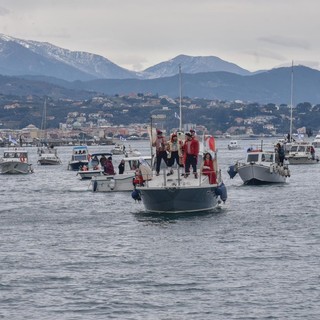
{"type": "Point", "coordinates": [191, 151]}
{"type": "Point", "coordinates": [103, 160]}
{"type": "Point", "coordinates": [84, 168]}
{"type": "Point", "coordinates": [138, 178]}
{"type": "Point", "coordinates": [208, 169]}
{"type": "Point", "coordinates": [161, 152]}
{"type": "Point", "coordinates": [108, 167]}
{"type": "Point", "coordinates": [174, 152]}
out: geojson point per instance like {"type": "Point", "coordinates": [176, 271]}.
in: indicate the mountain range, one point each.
{"type": "Point", "coordinates": [31, 67]}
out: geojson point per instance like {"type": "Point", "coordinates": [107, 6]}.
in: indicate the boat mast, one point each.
{"type": "Point", "coordinates": [291, 103]}
{"type": "Point", "coordinates": [180, 101]}
{"type": "Point", "coordinates": [44, 121]}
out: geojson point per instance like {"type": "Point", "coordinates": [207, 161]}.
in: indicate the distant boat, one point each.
{"type": "Point", "coordinates": [15, 161]}
{"type": "Point", "coordinates": [79, 158]}
{"type": "Point", "coordinates": [118, 149]}
{"type": "Point", "coordinates": [316, 141]}
{"type": "Point", "coordinates": [48, 155]}
{"type": "Point", "coordinates": [233, 145]}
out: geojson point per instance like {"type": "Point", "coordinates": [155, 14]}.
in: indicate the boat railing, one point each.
{"type": "Point", "coordinates": [176, 178]}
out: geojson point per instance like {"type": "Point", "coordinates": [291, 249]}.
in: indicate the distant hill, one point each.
{"type": "Point", "coordinates": [40, 68]}
{"type": "Point", "coordinates": [272, 86]}
{"type": "Point", "coordinates": [192, 65]}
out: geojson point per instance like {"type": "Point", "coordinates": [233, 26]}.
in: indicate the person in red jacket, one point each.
{"type": "Point", "coordinates": [207, 168]}
{"type": "Point", "coordinates": [191, 151]}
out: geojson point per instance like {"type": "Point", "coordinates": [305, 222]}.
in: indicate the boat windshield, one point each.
{"type": "Point", "coordinates": [267, 157]}
{"type": "Point", "coordinates": [253, 157]}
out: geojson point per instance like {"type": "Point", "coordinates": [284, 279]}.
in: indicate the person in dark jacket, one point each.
{"type": "Point", "coordinates": [121, 167]}
{"type": "Point", "coordinates": [108, 167]}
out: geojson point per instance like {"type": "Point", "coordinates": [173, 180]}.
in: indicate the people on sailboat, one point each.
{"type": "Point", "coordinates": [207, 168]}
{"type": "Point", "coordinates": [191, 150]}
{"type": "Point", "coordinates": [108, 167]}
{"type": "Point", "coordinates": [161, 152]}
{"type": "Point", "coordinates": [174, 152]}
{"type": "Point", "coordinates": [121, 166]}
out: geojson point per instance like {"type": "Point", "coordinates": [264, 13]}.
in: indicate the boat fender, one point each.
{"type": "Point", "coordinates": [222, 192]}
{"type": "Point", "coordinates": [271, 168]}
{"type": "Point", "coordinates": [95, 185]}
{"type": "Point", "coordinates": [23, 159]}
{"type": "Point", "coordinates": [136, 195]}
{"type": "Point", "coordinates": [112, 184]}
{"type": "Point", "coordinates": [232, 171]}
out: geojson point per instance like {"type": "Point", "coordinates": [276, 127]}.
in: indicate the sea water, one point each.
{"type": "Point", "coordinates": [69, 253]}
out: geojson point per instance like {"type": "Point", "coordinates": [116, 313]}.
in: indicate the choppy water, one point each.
{"type": "Point", "coordinates": [68, 253]}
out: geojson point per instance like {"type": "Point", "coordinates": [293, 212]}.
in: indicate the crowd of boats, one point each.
{"type": "Point", "coordinates": [170, 191]}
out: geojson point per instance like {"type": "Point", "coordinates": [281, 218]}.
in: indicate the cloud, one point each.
{"type": "Point", "coordinates": [4, 11]}
{"type": "Point", "coordinates": [286, 42]}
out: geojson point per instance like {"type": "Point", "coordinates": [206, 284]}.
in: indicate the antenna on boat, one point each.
{"type": "Point", "coordinates": [180, 101]}
{"type": "Point", "coordinates": [291, 103]}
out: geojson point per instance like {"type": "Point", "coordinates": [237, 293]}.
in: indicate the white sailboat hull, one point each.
{"type": "Point", "coordinates": [260, 174]}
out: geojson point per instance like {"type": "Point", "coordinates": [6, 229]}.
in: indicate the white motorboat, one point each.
{"type": "Point", "coordinates": [302, 152]}
{"type": "Point", "coordinates": [95, 165]}
{"type": "Point", "coordinates": [132, 152]}
{"type": "Point", "coordinates": [233, 145]}
{"type": "Point", "coordinates": [79, 158]}
{"type": "Point", "coordinates": [118, 149]}
{"type": "Point", "coordinates": [15, 161]}
{"type": "Point", "coordinates": [260, 167]}
{"type": "Point", "coordinates": [316, 141]}
{"type": "Point", "coordinates": [124, 181]}
{"type": "Point", "coordinates": [48, 156]}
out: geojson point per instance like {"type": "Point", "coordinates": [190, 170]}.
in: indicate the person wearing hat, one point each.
{"type": "Point", "coordinates": [108, 167]}
{"type": "Point", "coordinates": [175, 152]}
{"type": "Point", "coordinates": [161, 152]}
{"type": "Point", "coordinates": [191, 150]}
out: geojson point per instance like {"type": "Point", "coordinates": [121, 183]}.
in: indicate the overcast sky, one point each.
{"type": "Point", "coordinates": [136, 34]}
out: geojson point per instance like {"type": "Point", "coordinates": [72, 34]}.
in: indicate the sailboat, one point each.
{"type": "Point", "coordinates": [175, 193]}
{"type": "Point", "coordinates": [298, 152]}
{"type": "Point", "coordinates": [48, 155]}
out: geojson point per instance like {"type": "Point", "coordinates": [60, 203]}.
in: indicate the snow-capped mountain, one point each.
{"type": "Point", "coordinates": [19, 57]}
{"type": "Point", "coordinates": [26, 57]}
{"type": "Point", "coordinates": [193, 65]}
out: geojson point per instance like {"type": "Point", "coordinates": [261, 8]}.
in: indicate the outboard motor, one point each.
{"type": "Point", "coordinates": [222, 192]}
{"type": "Point", "coordinates": [136, 195]}
{"type": "Point", "coordinates": [232, 171]}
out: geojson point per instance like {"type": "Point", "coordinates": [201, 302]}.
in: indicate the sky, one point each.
{"type": "Point", "coordinates": [137, 34]}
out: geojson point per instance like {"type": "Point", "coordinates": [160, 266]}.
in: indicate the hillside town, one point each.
{"type": "Point", "coordinates": [103, 118]}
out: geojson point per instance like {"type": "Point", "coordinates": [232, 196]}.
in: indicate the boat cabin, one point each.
{"type": "Point", "coordinates": [79, 153]}
{"type": "Point", "coordinates": [15, 155]}
{"type": "Point", "coordinates": [233, 144]}
{"type": "Point", "coordinates": [260, 156]}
